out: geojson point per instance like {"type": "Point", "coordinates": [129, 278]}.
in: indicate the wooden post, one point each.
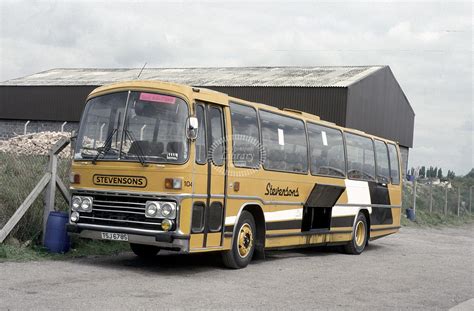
{"type": "Point", "coordinates": [50, 193]}
{"type": "Point", "coordinates": [470, 200]}
{"type": "Point", "coordinates": [446, 201]}
{"type": "Point", "coordinates": [459, 199]}
{"type": "Point", "coordinates": [414, 196]}
{"type": "Point", "coordinates": [431, 196]}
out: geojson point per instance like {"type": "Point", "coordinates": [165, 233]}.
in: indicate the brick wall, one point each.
{"type": "Point", "coordinates": [10, 128]}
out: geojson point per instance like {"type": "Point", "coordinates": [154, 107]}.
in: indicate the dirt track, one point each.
{"type": "Point", "coordinates": [416, 269]}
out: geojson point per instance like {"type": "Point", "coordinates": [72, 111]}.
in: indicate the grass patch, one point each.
{"type": "Point", "coordinates": [19, 175]}
{"type": "Point", "coordinates": [426, 219]}
{"type": "Point", "coordinates": [80, 248]}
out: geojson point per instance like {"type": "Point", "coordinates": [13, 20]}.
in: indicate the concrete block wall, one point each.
{"type": "Point", "coordinates": [11, 128]}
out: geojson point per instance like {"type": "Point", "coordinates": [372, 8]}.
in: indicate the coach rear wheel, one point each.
{"type": "Point", "coordinates": [359, 238]}
{"type": "Point", "coordinates": [243, 245]}
{"type": "Point", "coordinates": [144, 251]}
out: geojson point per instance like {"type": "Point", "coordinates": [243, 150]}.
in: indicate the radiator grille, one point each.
{"type": "Point", "coordinates": [119, 210]}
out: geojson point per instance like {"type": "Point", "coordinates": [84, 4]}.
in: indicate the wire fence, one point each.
{"type": "Point", "coordinates": [19, 173]}
{"type": "Point", "coordinates": [448, 198]}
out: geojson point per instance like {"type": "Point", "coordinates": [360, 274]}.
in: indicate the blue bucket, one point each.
{"type": "Point", "coordinates": [56, 239]}
{"type": "Point", "coordinates": [410, 214]}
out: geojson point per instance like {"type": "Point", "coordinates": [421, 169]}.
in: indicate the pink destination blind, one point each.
{"type": "Point", "coordinates": [157, 98]}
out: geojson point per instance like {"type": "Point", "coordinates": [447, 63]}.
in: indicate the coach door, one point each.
{"type": "Point", "coordinates": [211, 168]}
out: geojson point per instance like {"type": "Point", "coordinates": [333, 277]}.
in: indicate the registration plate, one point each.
{"type": "Point", "coordinates": [114, 236]}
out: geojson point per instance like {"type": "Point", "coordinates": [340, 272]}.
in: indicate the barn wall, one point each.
{"type": "Point", "coordinates": [329, 103]}
{"type": "Point", "coordinates": [377, 105]}
{"type": "Point", "coordinates": [48, 103]}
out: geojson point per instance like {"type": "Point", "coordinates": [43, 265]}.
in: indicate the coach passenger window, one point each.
{"type": "Point", "coordinates": [216, 146]}
{"type": "Point", "coordinates": [360, 157]}
{"type": "Point", "coordinates": [201, 139]}
{"type": "Point", "coordinates": [394, 165]}
{"type": "Point", "coordinates": [284, 141]}
{"type": "Point", "coordinates": [327, 151]}
{"type": "Point", "coordinates": [245, 137]}
{"type": "Point", "coordinates": [381, 156]}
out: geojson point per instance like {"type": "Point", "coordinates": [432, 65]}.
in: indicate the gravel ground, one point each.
{"type": "Point", "coordinates": [415, 269]}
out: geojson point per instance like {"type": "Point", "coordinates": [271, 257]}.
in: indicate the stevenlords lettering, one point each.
{"type": "Point", "coordinates": [285, 192]}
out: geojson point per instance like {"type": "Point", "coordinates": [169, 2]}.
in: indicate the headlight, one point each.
{"type": "Point", "coordinates": [81, 204]}
{"type": "Point", "coordinates": [76, 203]}
{"type": "Point", "coordinates": [157, 209]}
{"type": "Point", "coordinates": [86, 204]}
{"type": "Point", "coordinates": [151, 209]}
{"type": "Point", "coordinates": [167, 210]}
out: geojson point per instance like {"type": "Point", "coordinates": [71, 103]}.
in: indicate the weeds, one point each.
{"type": "Point", "coordinates": [80, 248]}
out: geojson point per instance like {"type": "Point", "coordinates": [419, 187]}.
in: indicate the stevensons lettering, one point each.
{"type": "Point", "coordinates": [118, 180]}
{"type": "Point", "coordinates": [285, 192]}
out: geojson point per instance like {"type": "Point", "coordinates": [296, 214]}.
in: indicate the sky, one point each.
{"type": "Point", "coordinates": [428, 45]}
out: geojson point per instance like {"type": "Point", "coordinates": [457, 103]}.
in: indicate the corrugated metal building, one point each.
{"type": "Point", "coordinates": [367, 98]}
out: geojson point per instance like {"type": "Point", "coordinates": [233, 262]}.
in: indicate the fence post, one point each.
{"type": "Point", "coordinates": [50, 193]}
{"type": "Point", "coordinates": [446, 201]}
{"type": "Point", "coordinates": [141, 131]}
{"type": "Point", "coordinates": [470, 200]}
{"type": "Point", "coordinates": [459, 198]}
{"type": "Point", "coordinates": [431, 196]}
{"type": "Point", "coordinates": [25, 127]}
{"type": "Point", "coordinates": [414, 196]}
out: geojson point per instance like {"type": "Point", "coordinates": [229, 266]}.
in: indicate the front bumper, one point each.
{"type": "Point", "coordinates": [165, 240]}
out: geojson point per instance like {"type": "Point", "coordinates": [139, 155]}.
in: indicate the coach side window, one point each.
{"type": "Point", "coordinates": [245, 136]}
{"type": "Point", "coordinates": [327, 151]}
{"type": "Point", "coordinates": [394, 165]}
{"type": "Point", "coordinates": [360, 157]}
{"type": "Point", "coordinates": [201, 139]}
{"type": "Point", "coordinates": [381, 157]}
{"type": "Point", "coordinates": [284, 140]}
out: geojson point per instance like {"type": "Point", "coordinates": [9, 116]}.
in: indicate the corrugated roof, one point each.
{"type": "Point", "coordinates": [322, 76]}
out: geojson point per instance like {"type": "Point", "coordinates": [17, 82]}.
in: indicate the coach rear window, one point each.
{"type": "Point", "coordinates": [360, 157]}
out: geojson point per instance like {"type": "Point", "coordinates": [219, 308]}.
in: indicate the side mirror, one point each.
{"type": "Point", "coordinates": [192, 128]}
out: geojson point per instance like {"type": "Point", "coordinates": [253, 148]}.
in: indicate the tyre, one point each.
{"type": "Point", "coordinates": [359, 239]}
{"type": "Point", "coordinates": [243, 244]}
{"type": "Point", "coordinates": [144, 251]}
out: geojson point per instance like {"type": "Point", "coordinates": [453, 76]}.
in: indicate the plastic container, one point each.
{"type": "Point", "coordinates": [56, 238]}
{"type": "Point", "coordinates": [410, 214]}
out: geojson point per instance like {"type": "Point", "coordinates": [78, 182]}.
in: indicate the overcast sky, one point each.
{"type": "Point", "coordinates": [427, 44]}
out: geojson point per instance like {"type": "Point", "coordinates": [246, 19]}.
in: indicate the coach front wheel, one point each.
{"type": "Point", "coordinates": [243, 244]}
{"type": "Point", "coordinates": [359, 237]}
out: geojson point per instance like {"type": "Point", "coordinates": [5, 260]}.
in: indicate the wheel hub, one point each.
{"type": "Point", "coordinates": [360, 233]}
{"type": "Point", "coordinates": [245, 240]}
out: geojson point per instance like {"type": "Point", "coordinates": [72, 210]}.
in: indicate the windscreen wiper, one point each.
{"type": "Point", "coordinates": [105, 147]}
{"type": "Point", "coordinates": [140, 154]}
